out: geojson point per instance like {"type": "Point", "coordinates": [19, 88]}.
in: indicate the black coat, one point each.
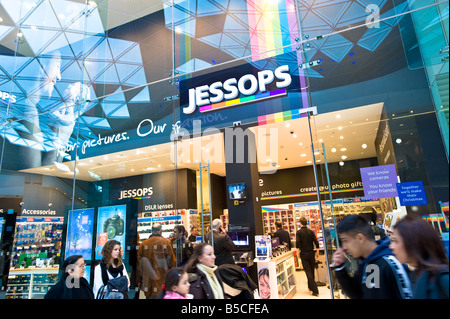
{"type": "Point", "coordinates": [61, 291]}
{"type": "Point", "coordinates": [380, 268]}
{"type": "Point", "coordinates": [200, 288]}
{"type": "Point", "coordinates": [223, 246]}
{"type": "Point", "coordinates": [284, 236]}
{"type": "Point", "coordinates": [236, 278]}
{"type": "Point", "coordinates": [428, 286]}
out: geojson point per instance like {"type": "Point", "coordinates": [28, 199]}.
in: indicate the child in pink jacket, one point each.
{"type": "Point", "coordinates": [176, 284]}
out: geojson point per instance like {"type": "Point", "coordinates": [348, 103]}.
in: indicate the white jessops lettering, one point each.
{"type": "Point", "coordinates": [8, 97]}
{"type": "Point", "coordinates": [247, 85]}
{"type": "Point", "coordinates": [137, 192]}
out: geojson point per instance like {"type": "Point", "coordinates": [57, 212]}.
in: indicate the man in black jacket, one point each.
{"type": "Point", "coordinates": [284, 236]}
{"type": "Point", "coordinates": [222, 243]}
{"type": "Point", "coordinates": [380, 275]}
{"type": "Point", "coordinates": [306, 239]}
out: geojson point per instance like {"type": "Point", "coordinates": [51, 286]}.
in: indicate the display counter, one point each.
{"type": "Point", "coordinates": [30, 283]}
{"type": "Point", "coordinates": [276, 277]}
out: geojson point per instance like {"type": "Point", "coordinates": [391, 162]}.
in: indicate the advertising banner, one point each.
{"type": "Point", "coordinates": [379, 181]}
{"type": "Point", "coordinates": [110, 226]}
{"type": "Point", "coordinates": [412, 193]}
{"type": "Point", "coordinates": [79, 233]}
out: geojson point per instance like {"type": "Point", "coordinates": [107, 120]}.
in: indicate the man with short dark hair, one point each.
{"type": "Point", "coordinates": [285, 237]}
{"type": "Point", "coordinates": [380, 275]}
{"type": "Point", "coordinates": [306, 239]}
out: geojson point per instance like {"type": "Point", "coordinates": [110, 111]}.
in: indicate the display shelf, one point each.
{"type": "Point", "coordinates": [168, 220]}
{"type": "Point", "coordinates": [35, 237]}
{"type": "Point", "coordinates": [30, 283]}
{"type": "Point", "coordinates": [281, 275]}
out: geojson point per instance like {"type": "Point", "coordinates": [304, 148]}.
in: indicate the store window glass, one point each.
{"type": "Point", "coordinates": [149, 120]}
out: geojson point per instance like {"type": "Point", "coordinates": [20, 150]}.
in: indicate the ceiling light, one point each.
{"type": "Point", "coordinates": [338, 116]}
{"type": "Point", "coordinates": [309, 162]}
{"type": "Point", "coordinates": [333, 150]}
{"type": "Point", "coordinates": [343, 149]}
{"type": "Point", "coordinates": [303, 155]}
{"type": "Point", "coordinates": [344, 157]}
{"type": "Point", "coordinates": [341, 163]}
{"type": "Point", "coordinates": [341, 137]}
{"type": "Point", "coordinates": [288, 125]}
{"type": "Point", "coordinates": [340, 128]}
{"type": "Point", "coordinates": [399, 141]}
{"type": "Point", "coordinates": [364, 146]}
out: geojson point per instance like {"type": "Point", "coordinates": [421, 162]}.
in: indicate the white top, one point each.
{"type": "Point", "coordinates": [98, 282]}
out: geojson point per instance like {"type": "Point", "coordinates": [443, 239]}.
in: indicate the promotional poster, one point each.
{"type": "Point", "coordinates": [110, 226]}
{"type": "Point", "coordinates": [79, 233]}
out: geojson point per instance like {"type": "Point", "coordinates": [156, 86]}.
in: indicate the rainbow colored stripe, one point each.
{"type": "Point", "coordinates": [244, 100]}
{"type": "Point", "coordinates": [280, 117]}
{"type": "Point", "coordinates": [312, 194]}
{"type": "Point", "coordinates": [272, 25]}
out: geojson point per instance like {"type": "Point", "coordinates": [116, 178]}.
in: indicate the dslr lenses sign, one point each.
{"type": "Point", "coordinates": [110, 226]}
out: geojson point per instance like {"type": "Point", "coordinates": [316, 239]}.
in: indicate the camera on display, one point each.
{"type": "Point", "coordinates": [114, 226]}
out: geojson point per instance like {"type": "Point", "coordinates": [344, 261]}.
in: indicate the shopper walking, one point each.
{"type": "Point", "coordinates": [205, 281]}
{"type": "Point", "coordinates": [222, 243]}
{"type": "Point", "coordinates": [285, 237]}
{"type": "Point", "coordinates": [417, 243]}
{"type": "Point", "coordinates": [379, 275]}
{"type": "Point", "coordinates": [176, 285]}
{"type": "Point", "coordinates": [193, 236]}
{"type": "Point", "coordinates": [111, 266]}
{"type": "Point", "coordinates": [183, 248]}
{"type": "Point", "coordinates": [306, 239]}
{"type": "Point", "coordinates": [72, 284]}
{"type": "Point", "coordinates": [155, 257]}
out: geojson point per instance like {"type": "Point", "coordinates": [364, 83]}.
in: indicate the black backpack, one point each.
{"type": "Point", "coordinates": [116, 288]}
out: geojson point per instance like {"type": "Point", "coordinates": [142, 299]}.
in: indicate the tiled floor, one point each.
{"type": "Point", "coordinates": [302, 288]}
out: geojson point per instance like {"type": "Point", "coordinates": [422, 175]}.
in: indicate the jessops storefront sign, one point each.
{"type": "Point", "coordinates": [245, 94]}
{"type": "Point", "coordinates": [226, 94]}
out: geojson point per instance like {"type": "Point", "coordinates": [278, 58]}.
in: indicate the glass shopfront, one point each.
{"type": "Point", "coordinates": [115, 116]}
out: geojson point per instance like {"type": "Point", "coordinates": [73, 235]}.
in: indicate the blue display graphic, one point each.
{"type": "Point", "coordinates": [110, 226]}
{"type": "Point", "coordinates": [79, 233]}
{"type": "Point", "coordinates": [237, 191]}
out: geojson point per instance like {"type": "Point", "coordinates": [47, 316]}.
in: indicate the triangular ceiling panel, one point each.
{"type": "Point", "coordinates": [101, 53]}
{"type": "Point", "coordinates": [43, 15]}
{"type": "Point", "coordinates": [16, 12]}
{"type": "Point", "coordinates": [137, 79]}
{"type": "Point", "coordinates": [141, 97]}
{"type": "Point", "coordinates": [132, 56]}
{"type": "Point", "coordinates": [38, 39]}
{"type": "Point", "coordinates": [121, 112]}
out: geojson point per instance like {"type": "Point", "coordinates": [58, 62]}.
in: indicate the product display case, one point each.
{"type": "Point", "coordinates": [30, 283]}
{"type": "Point", "coordinates": [286, 217]}
{"type": "Point", "coordinates": [279, 273]}
{"type": "Point", "coordinates": [34, 239]}
{"type": "Point", "coordinates": [168, 219]}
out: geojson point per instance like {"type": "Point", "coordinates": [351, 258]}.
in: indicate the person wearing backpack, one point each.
{"type": "Point", "coordinates": [111, 268]}
{"type": "Point", "coordinates": [417, 243]}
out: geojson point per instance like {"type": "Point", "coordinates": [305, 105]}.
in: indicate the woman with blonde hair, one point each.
{"type": "Point", "coordinates": [111, 265]}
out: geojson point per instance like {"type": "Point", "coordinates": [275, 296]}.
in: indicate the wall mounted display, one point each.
{"type": "Point", "coordinates": [79, 233]}
{"type": "Point", "coordinates": [110, 226]}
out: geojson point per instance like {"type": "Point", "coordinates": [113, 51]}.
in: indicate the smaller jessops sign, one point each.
{"type": "Point", "coordinates": [379, 181]}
